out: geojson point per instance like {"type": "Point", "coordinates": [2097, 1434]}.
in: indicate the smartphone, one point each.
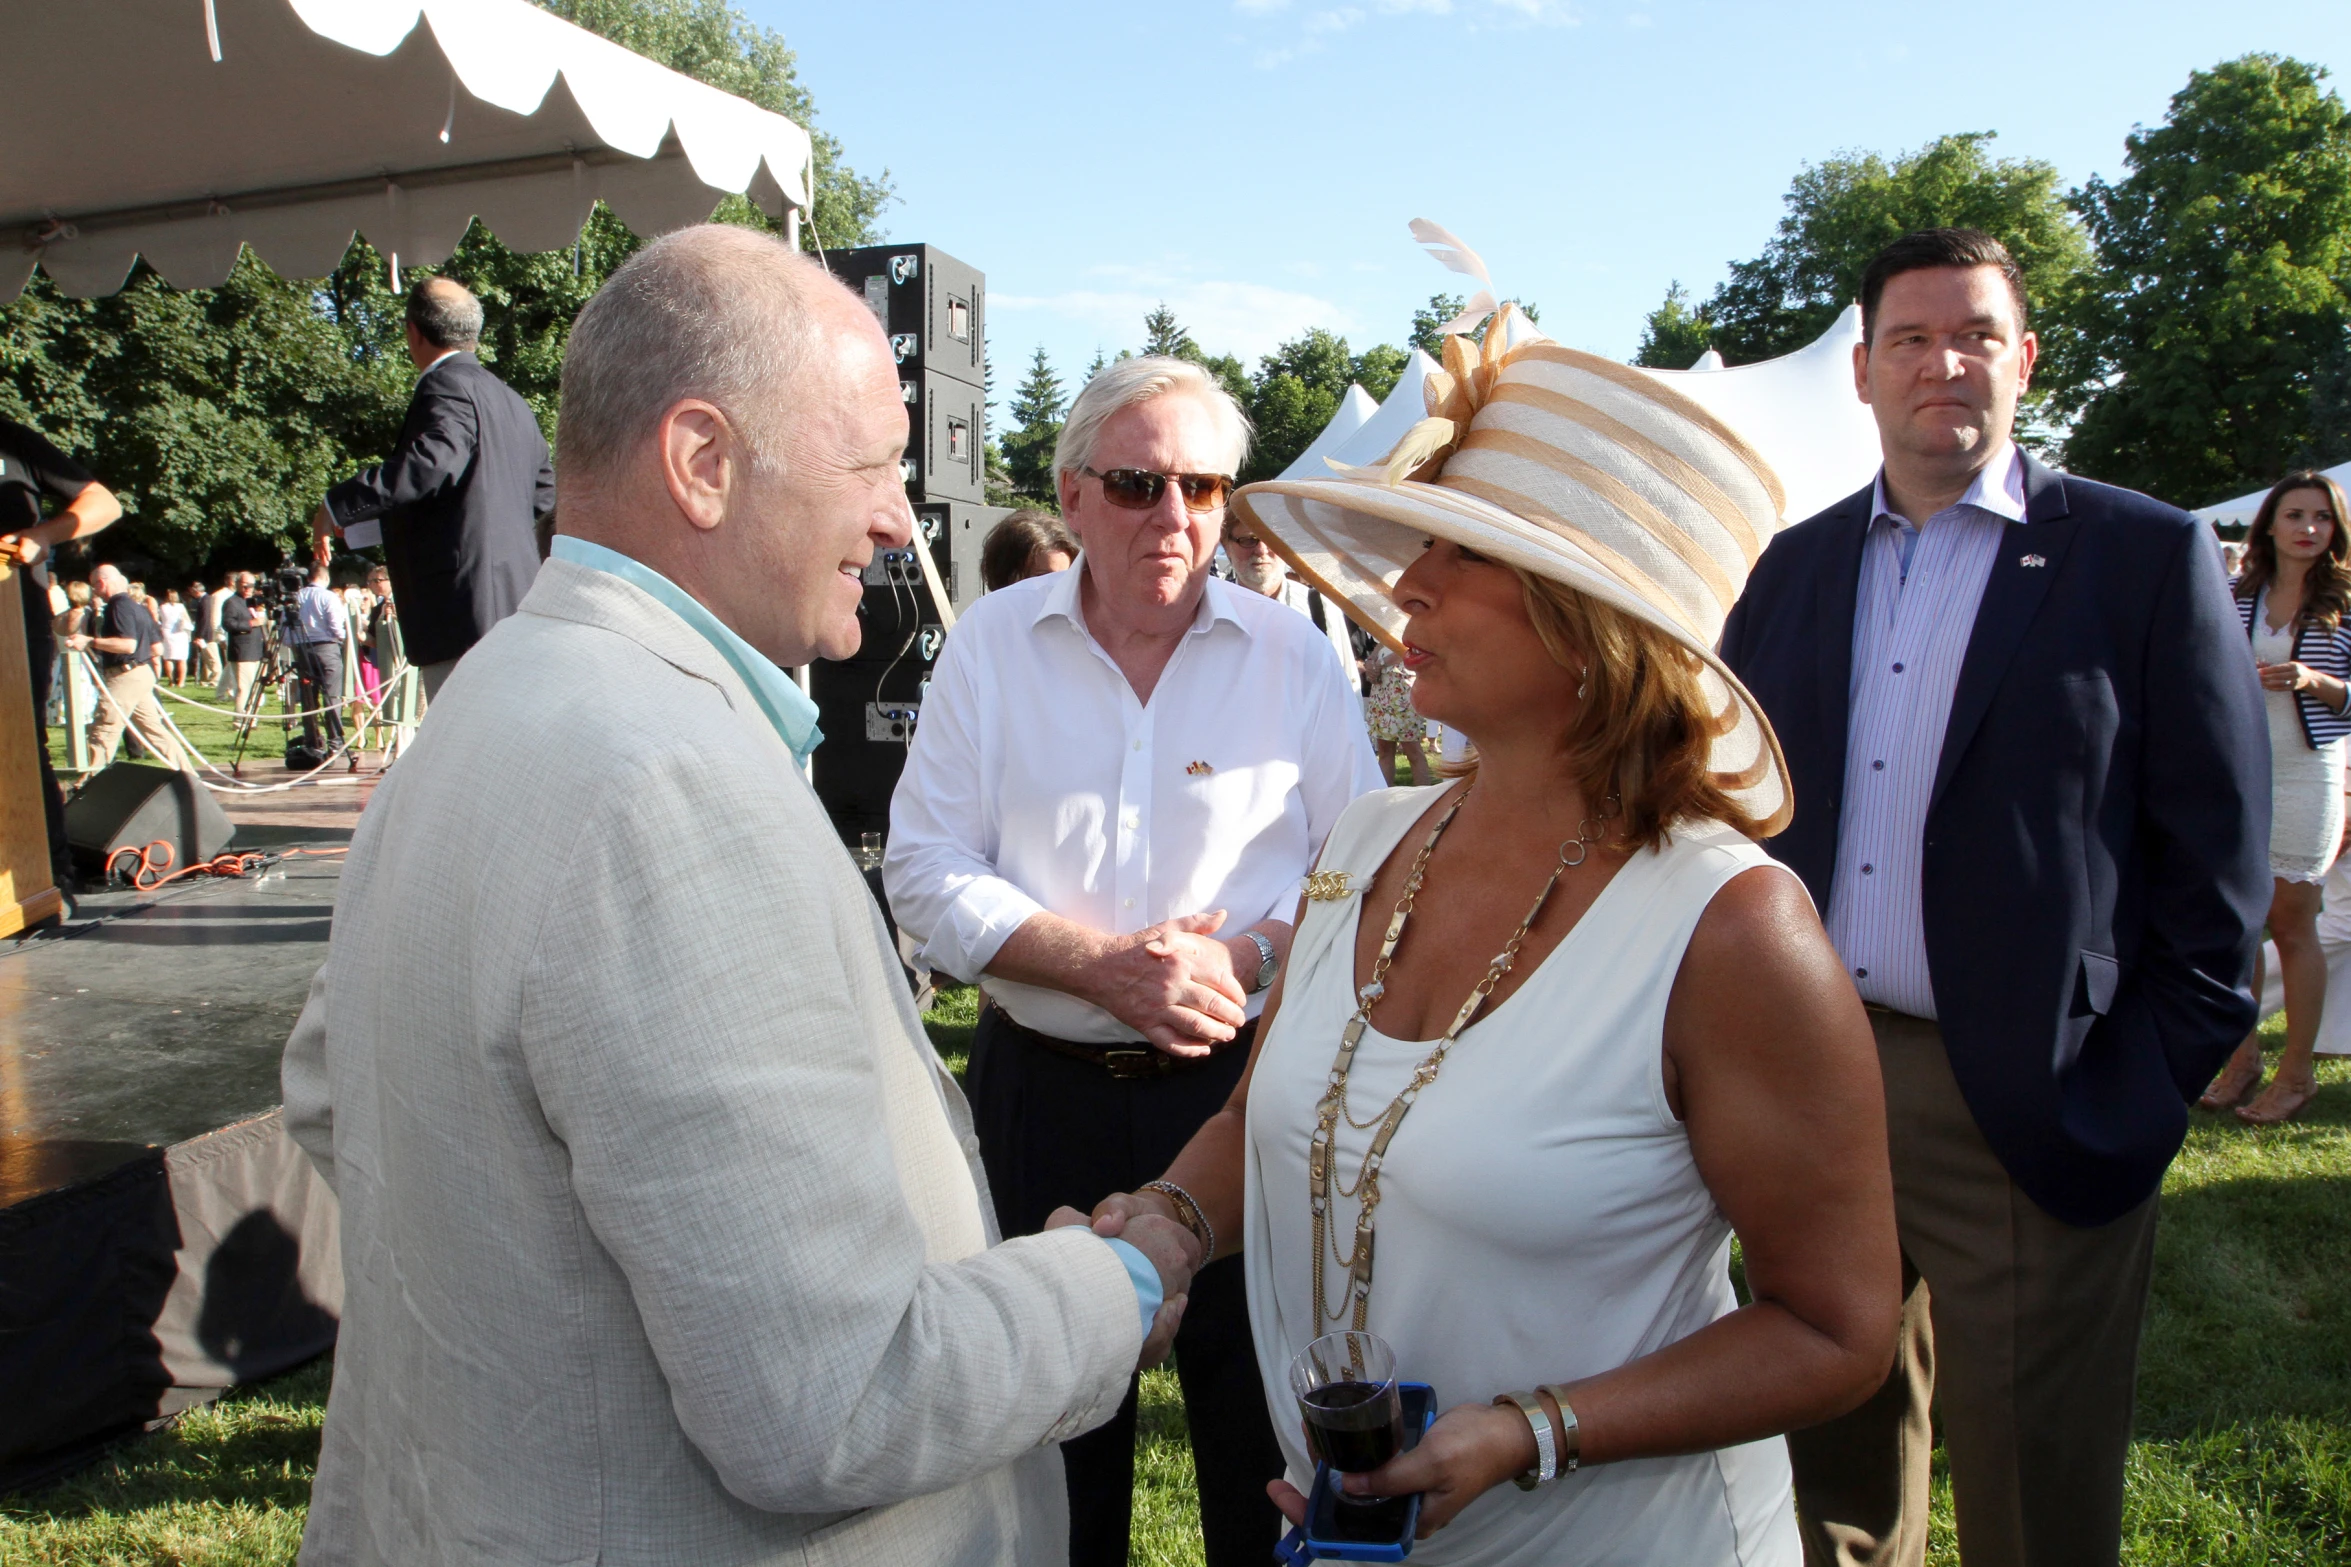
{"type": "Point", "coordinates": [1383, 1534]}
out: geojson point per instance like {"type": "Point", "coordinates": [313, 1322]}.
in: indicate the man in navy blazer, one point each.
{"type": "Point", "coordinates": [2032, 804]}
{"type": "Point", "coordinates": [461, 496]}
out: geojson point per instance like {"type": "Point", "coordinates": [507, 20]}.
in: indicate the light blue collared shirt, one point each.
{"type": "Point", "coordinates": [779, 696]}
{"type": "Point", "coordinates": [788, 708]}
{"type": "Point", "coordinates": [1913, 615]}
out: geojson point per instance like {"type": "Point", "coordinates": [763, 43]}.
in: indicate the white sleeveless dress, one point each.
{"type": "Point", "coordinates": [1541, 1217]}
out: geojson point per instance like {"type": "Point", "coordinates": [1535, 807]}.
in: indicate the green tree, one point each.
{"type": "Point", "coordinates": [1678, 333]}
{"type": "Point", "coordinates": [1036, 412]}
{"type": "Point", "coordinates": [220, 415]}
{"type": "Point", "coordinates": [1297, 391]}
{"type": "Point", "coordinates": [1164, 334]}
{"type": "Point", "coordinates": [1425, 335]}
{"type": "Point", "coordinates": [1378, 369]}
{"type": "Point", "coordinates": [1843, 211]}
{"type": "Point", "coordinates": [2214, 327]}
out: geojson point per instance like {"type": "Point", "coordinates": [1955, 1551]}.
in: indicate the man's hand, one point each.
{"type": "Point", "coordinates": [24, 548]}
{"type": "Point", "coordinates": [1171, 1249]}
{"type": "Point", "coordinates": [322, 534]}
{"type": "Point", "coordinates": [1174, 986]}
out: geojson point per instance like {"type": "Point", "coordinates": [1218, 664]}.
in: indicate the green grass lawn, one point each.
{"type": "Point", "coordinates": [2243, 1455]}
{"type": "Point", "coordinates": [214, 734]}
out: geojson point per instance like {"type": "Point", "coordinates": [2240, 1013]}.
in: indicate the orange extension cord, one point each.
{"type": "Point", "coordinates": [146, 869]}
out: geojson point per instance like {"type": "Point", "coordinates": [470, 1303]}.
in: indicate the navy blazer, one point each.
{"type": "Point", "coordinates": [460, 500]}
{"type": "Point", "coordinates": [2096, 864]}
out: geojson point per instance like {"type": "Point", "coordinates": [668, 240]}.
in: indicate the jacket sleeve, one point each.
{"type": "Point", "coordinates": [714, 1074]}
{"type": "Point", "coordinates": [302, 1078]}
{"type": "Point", "coordinates": [437, 445]}
{"type": "Point", "coordinates": [2204, 820]}
{"type": "Point", "coordinates": [543, 490]}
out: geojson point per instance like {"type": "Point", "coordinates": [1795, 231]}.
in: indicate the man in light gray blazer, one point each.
{"type": "Point", "coordinates": [665, 1236]}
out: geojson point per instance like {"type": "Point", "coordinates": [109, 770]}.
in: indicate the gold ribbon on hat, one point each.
{"type": "Point", "coordinates": [1453, 395]}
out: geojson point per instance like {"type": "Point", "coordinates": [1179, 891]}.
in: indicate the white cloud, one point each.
{"type": "Point", "coordinates": [1316, 28]}
{"type": "Point", "coordinates": [1223, 316]}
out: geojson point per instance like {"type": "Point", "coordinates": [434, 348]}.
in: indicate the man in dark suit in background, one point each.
{"type": "Point", "coordinates": [2032, 803]}
{"type": "Point", "coordinates": [462, 494]}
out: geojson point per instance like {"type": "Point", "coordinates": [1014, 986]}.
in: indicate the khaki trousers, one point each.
{"type": "Point", "coordinates": [242, 674]}
{"type": "Point", "coordinates": [130, 693]}
{"type": "Point", "coordinates": [2021, 1330]}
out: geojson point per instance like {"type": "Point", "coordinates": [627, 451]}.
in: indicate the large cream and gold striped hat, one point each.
{"type": "Point", "coordinates": [1571, 467]}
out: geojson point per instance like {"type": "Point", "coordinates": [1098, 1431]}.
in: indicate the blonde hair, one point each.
{"type": "Point", "coordinates": [1127, 382]}
{"type": "Point", "coordinates": [1645, 733]}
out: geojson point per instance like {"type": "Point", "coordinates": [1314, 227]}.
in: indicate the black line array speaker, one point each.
{"type": "Point", "coordinates": [934, 310]}
{"type": "Point", "coordinates": [132, 804]}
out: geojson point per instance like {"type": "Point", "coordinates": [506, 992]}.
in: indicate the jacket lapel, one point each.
{"type": "Point", "coordinates": [1839, 590]}
{"type": "Point", "coordinates": [2012, 596]}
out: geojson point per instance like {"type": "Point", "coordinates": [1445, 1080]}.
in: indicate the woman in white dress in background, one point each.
{"type": "Point", "coordinates": [2294, 596]}
{"type": "Point", "coordinates": [1553, 1031]}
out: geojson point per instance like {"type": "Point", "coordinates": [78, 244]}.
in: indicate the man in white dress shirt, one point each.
{"type": "Point", "coordinates": [1257, 568]}
{"type": "Point", "coordinates": [1123, 772]}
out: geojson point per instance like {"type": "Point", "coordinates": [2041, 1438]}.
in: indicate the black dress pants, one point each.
{"type": "Point", "coordinates": [1056, 1131]}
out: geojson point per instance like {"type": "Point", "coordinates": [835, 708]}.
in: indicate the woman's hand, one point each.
{"type": "Point", "coordinates": [2288, 676]}
{"type": "Point", "coordinates": [1471, 1449]}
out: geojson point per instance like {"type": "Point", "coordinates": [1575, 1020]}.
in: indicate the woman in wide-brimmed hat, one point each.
{"type": "Point", "coordinates": [1556, 1029]}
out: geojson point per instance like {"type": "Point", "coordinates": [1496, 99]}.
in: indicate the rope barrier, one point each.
{"type": "Point", "coordinates": [230, 784]}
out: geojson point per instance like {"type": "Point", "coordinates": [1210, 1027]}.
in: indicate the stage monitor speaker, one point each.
{"type": "Point", "coordinates": [947, 430]}
{"type": "Point", "coordinates": [932, 306]}
{"type": "Point", "coordinates": [132, 804]}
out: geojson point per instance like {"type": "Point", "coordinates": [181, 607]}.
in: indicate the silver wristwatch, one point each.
{"type": "Point", "coordinates": [1267, 963]}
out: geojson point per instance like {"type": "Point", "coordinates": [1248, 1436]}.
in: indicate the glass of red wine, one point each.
{"type": "Point", "coordinates": [1346, 1389]}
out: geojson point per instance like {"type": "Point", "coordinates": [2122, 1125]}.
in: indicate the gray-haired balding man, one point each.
{"type": "Point", "coordinates": [663, 1230]}
{"type": "Point", "coordinates": [460, 499]}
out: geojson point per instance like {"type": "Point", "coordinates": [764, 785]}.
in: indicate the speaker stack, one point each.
{"type": "Point", "coordinates": [933, 308]}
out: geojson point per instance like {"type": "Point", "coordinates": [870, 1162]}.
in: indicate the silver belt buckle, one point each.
{"type": "Point", "coordinates": [1128, 1063]}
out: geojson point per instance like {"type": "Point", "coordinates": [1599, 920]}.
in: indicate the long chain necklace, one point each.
{"type": "Point", "coordinates": [1321, 1155]}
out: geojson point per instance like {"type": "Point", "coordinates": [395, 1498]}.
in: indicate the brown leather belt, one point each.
{"type": "Point", "coordinates": [1125, 1062]}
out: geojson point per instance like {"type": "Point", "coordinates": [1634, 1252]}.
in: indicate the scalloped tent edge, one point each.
{"type": "Point", "coordinates": [292, 126]}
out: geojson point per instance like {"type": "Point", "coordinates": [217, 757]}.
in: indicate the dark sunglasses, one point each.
{"type": "Point", "coordinates": [1139, 489]}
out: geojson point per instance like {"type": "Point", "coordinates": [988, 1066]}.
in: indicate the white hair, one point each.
{"type": "Point", "coordinates": [1131, 381]}
{"type": "Point", "coordinates": [714, 311]}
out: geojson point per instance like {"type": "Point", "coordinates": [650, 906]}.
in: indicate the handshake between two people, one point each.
{"type": "Point", "coordinates": [1145, 1222]}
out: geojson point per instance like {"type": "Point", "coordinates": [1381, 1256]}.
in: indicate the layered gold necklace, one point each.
{"type": "Point", "coordinates": [1321, 1155]}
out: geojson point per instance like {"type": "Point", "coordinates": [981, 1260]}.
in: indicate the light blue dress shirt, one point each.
{"type": "Point", "coordinates": [779, 696]}
{"type": "Point", "coordinates": [1913, 614]}
{"type": "Point", "coordinates": [788, 708]}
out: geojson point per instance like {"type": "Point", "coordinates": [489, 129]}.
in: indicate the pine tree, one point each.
{"type": "Point", "coordinates": [1036, 411]}
{"type": "Point", "coordinates": [1163, 334]}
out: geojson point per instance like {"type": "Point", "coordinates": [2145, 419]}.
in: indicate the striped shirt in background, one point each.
{"type": "Point", "coordinates": [2326, 649]}
{"type": "Point", "coordinates": [1912, 617]}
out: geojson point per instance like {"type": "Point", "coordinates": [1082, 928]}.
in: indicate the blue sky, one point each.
{"type": "Point", "coordinates": [1254, 162]}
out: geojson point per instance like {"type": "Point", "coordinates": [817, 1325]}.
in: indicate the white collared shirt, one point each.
{"type": "Point", "coordinates": [1038, 782]}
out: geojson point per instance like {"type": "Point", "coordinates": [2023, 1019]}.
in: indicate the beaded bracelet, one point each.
{"type": "Point", "coordinates": [1190, 1215]}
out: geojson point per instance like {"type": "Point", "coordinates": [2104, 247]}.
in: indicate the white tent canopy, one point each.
{"type": "Point", "coordinates": [290, 125]}
{"type": "Point", "coordinates": [1799, 411]}
{"type": "Point", "coordinates": [2238, 513]}
{"type": "Point", "coordinates": [1355, 409]}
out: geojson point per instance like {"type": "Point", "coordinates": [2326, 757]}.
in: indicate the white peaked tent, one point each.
{"type": "Point", "coordinates": [2238, 513]}
{"type": "Point", "coordinates": [1355, 409]}
{"type": "Point", "coordinates": [289, 125]}
{"type": "Point", "coordinates": [1799, 411]}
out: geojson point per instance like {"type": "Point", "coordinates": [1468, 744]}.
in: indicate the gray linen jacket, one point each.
{"type": "Point", "coordinates": [665, 1234]}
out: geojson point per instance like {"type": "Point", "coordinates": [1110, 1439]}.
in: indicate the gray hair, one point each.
{"type": "Point", "coordinates": [445, 313]}
{"type": "Point", "coordinates": [714, 311]}
{"type": "Point", "coordinates": [1138, 380]}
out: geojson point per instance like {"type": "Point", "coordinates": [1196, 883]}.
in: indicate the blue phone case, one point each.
{"type": "Point", "coordinates": [1317, 1541]}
